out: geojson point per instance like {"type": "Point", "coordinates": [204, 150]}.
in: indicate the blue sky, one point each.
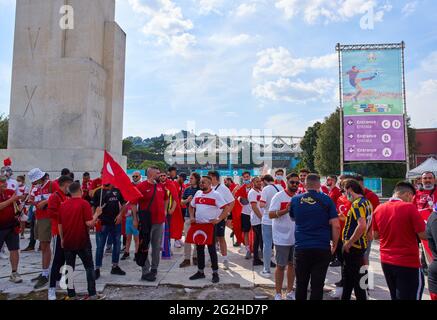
{"type": "Point", "coordinates": [252, 64]}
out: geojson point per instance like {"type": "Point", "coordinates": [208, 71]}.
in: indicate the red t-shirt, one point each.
{"type": "Point", "coordinates": [343, 206]}
{"type": "Point", "coordinates": [55, 201]}
{"type": "Point", "coordinates": [372, 197]}
{"type": "Point", "coordinates": [398, 224]}
{"type": "Point", "coordinates": [425, 200]}
{"type": "Point", "coordinates": [40, 194]}
{"type": "Point", "coordinates": [157, 208]}
{"type": "Point", "coordinates": [86, 188]}
{"type": "Point", "coordinates": [73, 215]}
{"type": "Point", "coordinates": [335, 194]}
{"type": "Point", "coordinates": [7, 215]}
{"type": "Point", "coordinates": [325, 190]}
{"type": "Point", "coordinates": [301, 189]}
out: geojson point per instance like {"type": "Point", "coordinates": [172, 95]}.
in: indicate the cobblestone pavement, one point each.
{"type": "Point", "coordinates": [172, 282]}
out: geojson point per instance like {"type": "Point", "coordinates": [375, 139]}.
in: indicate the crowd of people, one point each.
{"type": "Point", "coordinates": [293, 224]}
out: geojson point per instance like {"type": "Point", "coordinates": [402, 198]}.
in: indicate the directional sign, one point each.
{"type": "Point", "coordinates": [374, 138]}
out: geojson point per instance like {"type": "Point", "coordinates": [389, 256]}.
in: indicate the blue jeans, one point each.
{"type": "Point", "coordinates": [115, 233]}
{"type": "Point", "coordinates": [267, 234]}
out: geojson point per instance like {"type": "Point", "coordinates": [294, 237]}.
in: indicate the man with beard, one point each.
{"type": "Point", "coordinates": [283, 236]}
{"type": "Point", "coordinates": [303, 174]}
{"type": "Point", "coordinates": [255, 219]}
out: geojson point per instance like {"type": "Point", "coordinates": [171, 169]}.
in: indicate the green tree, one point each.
{"type": "Point", "coordinates": [127, 147]}
{"type": "Point", "coordinates": [327, 152]}
{"type": "Point", "coordinates": [308, 145]}
{"type": "Point", "coordinates": [4, 127]}
{"type": "Point", "coordinates": [150, 163]}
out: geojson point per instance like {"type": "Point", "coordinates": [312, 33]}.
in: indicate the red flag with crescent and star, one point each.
{"type": "Point", "coordinates": [114, 174]}
{"type": "Point", "coordinates": [200, 234]}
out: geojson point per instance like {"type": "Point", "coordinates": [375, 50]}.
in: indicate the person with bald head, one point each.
{"type": "Point", "coordinates": [149, 217]}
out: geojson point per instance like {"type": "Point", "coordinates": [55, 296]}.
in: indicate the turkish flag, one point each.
{"type": "Point", "coordinates": [200, 234]}
{"type": "Point", "coordinates": [115, 175]}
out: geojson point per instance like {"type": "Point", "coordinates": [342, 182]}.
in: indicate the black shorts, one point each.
{"type": "Point", "coordinates": [11, 238]}
{"type": "Point", "coordinates": [245, 223]}
{"type": "Point", "coordinates": [220, 229]}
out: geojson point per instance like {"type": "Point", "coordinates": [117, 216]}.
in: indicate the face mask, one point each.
{"type": "Point", "coordinates": [246, 182]}
{"type": "Point", "coordinates": [428, 187]}
{"type": "Point", "coordinates": [279, 178]}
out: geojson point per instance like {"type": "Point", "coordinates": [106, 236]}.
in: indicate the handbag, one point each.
{"type": "Point", "coordinates": [144, 228]}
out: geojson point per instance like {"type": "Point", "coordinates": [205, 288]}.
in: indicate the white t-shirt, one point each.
{"type": "Point", "coordinates": [266, 198]}
{"type": "Point", "coordinates": [224, 192]}
{"type": "Point", "coordinates": [254, 197]}
{"type": "Point", "coordinates": [283, 227]}
{"type": "Point", "coordinates": [246, 208]}
{"type": "Point", "coordinates": [208, 206]}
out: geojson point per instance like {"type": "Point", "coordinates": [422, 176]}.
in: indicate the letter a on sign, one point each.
{"type": "Point", "coordinates": [67, 20]}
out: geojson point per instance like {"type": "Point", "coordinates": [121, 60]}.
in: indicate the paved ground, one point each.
{"type": "Point", "coordinates": [242, 281]}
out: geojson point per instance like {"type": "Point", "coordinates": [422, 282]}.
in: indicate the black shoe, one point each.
{"type": "Point", "coordinates": [215, 278]}
{"type": "Point", "coordinates": [150, 277]}
{"type": "Point", "coordinates": [36, 278]}
{"type": "Point", "coordinates": [41, 283]}
{"type": "Point", "coordinates": [236, 245]}
{"type": "Point", "coordinates": [97, 273]}
{"type": "Point", "coordinates": [272, 264]}
{"type": "Point", "coordinates": [258, 262]}
{"type": "Point", "coordinates": [125, 256]}
{"type": "Point", "coordinates": [117, 271]}
{"type": "Point", "coordinates": [197, 276]}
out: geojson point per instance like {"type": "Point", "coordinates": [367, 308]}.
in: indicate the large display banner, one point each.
{"type": "Point", "coordinates": [373, 105]}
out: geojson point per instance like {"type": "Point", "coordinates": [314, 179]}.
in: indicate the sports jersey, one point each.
{"type": "Point", "coordinates": [39, 194]}
{"type": "Point", "coordinates": [266, 197]}
{"type": "Point", "coordinates": [361, 208]}
{"type": "Point", "coordinates": [242, 193]}
{"type": "Point", "coordinates": [208, 205]}
{"type": "Point", "coordinates": [254, 198]}
{"type": "Point", "coordinates": [283, 227]}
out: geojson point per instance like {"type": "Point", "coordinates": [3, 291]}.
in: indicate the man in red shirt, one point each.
{"type": "Point", "coordinates": [425, 200]}
{"type": "Point", "coordinates": [153, 205]}
{"type": "Point", "coordinates": [39, 197]}
{"type": "Point", "coordinates": [86, 186]}
{"type": "Point", "coordinates": [303, 173]}
{"type": "Point", "coordinates": [398, 225]}
{"type": "Point", "coordinates": [9, 227]}
{"type": "Point", "coordinates": [242, 195]}
{"type": "Point", "coordinates": [178, 214]}
{"type": "Point", "coordinates": [54, 204]}
{"type": "Point", "coordinates": [334, 192]}
{"type": "Point", "coordinates": [96, 185]}
{"type": "Point", "coordinates": [75, 220]}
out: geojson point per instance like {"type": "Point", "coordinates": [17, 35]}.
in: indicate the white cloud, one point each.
{"type": "Point", "coordinates": [210, 6]}
{"type": "Point", "coordinates": [430, 63]}
{"type": "Point", "coordinates": [245, 9]}
{"type": "Point", "coordinates": [409, 8]}
{"type": "Point", "coordinates": [287, 124]}
{"type": "Point", "coordinates": [294, 91]}
{"type": "Point", "coordinates": [166, 24]}
{"type": "Point", "coordinates": [280, 62]}
{"type": "Point", "coordinates": [331, 11]}
{"type": "Point", "coordinates": [422, 104]}
{"type": "Point", "coordinates": [230, 40]}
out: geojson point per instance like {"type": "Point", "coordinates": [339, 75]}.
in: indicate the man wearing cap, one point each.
{"type": "Point", "coordinates": [41, 191]}
{"type": "Point", "coordinates": [9, 227]}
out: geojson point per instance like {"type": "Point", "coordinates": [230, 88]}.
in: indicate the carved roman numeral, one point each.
{"type": "Point", "coordinates": [30, 94]}
{"type": "Point", "coordinates": [33, 42]}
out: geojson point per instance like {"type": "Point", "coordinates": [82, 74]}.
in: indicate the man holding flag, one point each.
{"type": "Point", "coordinates": [207, 208]}
{"type": "Point", "coordinates": [112, 199]}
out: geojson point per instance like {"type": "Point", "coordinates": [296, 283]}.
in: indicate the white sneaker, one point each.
{"type": "Point", "coordinates": [15, 278]}
{"type": "Point", "coordinates": [226, 264]}
{"type": "Point", "coordinates": [291, 296]}
{"type": "Point", "coordinates": [265, 274]}
{"type": "Point", "coordinates": [337, 293]}
{"type": "Point", "coordinates": [242, 250]}
{"type": "Point", "coordinates": [3, 254]}
{"type": "Point", "coordinates": [178, 244]}
{"type": "Point", "coordinates": [278, 296]}
{"type": "Point", "coordinates": [52, 294]}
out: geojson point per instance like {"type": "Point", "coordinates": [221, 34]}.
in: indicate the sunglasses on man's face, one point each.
{"type": "Point", "coordinates": [135, 176]}
{"type": "Point", "coordinates": [294, 182]}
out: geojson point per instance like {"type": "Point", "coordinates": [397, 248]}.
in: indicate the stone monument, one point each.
{"type": "Point", "coordinates": [67, 86]}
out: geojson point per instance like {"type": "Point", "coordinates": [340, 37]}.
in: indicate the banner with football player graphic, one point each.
{"type": "Point", "coordinates": [372, 96]}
